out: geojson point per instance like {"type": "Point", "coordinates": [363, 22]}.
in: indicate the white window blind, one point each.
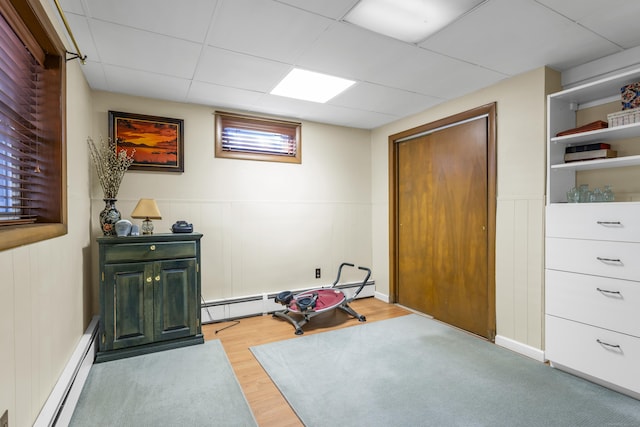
{"type": "Point", "coordinates": [257, 138]}
{"type": "Point", "coordinates": [252, 141]}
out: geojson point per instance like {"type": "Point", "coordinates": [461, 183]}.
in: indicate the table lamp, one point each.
{"type": "Point", "coordinates": [147, 209]}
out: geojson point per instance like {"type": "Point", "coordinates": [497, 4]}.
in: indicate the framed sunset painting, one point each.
{"type": "Point", "coordinates": [158, 141]}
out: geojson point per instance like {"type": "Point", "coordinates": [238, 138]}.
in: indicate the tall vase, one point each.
{"type": "Point", "coordinates": [108, 217]}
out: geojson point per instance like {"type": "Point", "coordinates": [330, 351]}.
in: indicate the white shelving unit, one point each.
{"type": "Point", "coordinates": [592, 279]}
{"type": "Point", "coordinates": [561, 115]}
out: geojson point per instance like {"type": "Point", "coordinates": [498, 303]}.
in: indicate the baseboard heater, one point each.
{"type": "Point", "coordinates": [60, 404]}
{"type": "Point", "coordinates": [257, 305]}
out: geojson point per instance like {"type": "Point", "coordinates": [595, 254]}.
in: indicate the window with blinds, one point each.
{"type": "Point", "coordinates": [255, 138]}
{"type": "Point", "coordinates": [20, 172]}
{"type": "Point", "coordinates": [32, 174]}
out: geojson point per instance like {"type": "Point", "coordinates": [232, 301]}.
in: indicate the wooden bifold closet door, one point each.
{"type": "Point", "coordinates": [442, 225]}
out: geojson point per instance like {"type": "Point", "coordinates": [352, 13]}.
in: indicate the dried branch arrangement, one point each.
{"type": "Point", "coordinates": [110, 165]}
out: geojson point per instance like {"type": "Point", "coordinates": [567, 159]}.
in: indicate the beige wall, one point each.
{"type": "Point", "coordinates": [266, 225]}
{"type": "Point", "coordinates": [520, 197]}
{"type": "Point", "coordinates": [42, 291]}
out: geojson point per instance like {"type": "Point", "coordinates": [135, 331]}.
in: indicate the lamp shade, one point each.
{"type": "Point", "coordinates": [147, 209]}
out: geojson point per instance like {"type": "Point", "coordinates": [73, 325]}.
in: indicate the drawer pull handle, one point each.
{"type": "Point", "coordinates": [609, 259]}
{"type": "Point", "coordinates": [152, 247]}
{"type": "Point", "coordinates": [604, 291]}
{"type": "Point", "coordinates": [149, 279]}
{"type": "Point", "coordinates": [609, 222]}
{"type": "Point", "coordinates": [609, 345]}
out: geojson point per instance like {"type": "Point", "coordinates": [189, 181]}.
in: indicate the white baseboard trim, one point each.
{"type": "Point", "coordinates": [381, 297]}
{"type": "Point", "coordinates": [60, 404]}
{"type": "Point", "coordinates": [260, 304]}
{"type": "Point", "coordinates": [518, 347]}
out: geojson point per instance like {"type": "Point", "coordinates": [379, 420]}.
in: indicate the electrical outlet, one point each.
{"type": "Point", "coordinates": [317, 277]}
{"type": "Point", "coordinates": [4, 420]}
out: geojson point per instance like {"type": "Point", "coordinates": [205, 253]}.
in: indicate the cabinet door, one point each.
{"type": "Point", "coordinates": [176, 302]}
{"type": "Point", "coordinates": [128, 317]}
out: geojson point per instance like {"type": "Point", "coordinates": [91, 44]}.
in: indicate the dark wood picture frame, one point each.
{"type": "Point", "coordinates": [158, 141]}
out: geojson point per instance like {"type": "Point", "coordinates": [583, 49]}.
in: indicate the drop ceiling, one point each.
{"type": "Point", "coordinates": [229, 54]}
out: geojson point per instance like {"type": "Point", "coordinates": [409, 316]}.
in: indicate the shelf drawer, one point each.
{"type": "Point", "coordinates": [599, 301]}
{"type": "Point", "coordinates": [591, 350]}
{"type": "Point", "coordinates": [620, 260]}
{"type": "Point", "coordinates": [134, 252]}
{"type": "Point", "coordinates": [596, 221]}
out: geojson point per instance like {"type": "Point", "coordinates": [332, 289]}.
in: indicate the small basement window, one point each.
{"type": "Point", "coordinates": [255, 138]}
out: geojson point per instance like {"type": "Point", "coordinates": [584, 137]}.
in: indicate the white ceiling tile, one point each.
{"type": "Point", "coordinates": [381, 99]}
{"type": "Point", "coordinates": [145, 84]}
{"type": "Point", "coordinates": [433, 74]}
{"type": "Point", "coordinates": [223, 67]}
{"type": "Point", "coordinates": [283, 106]}
{"type": "Point", "coordinates": [348, 51]}
{"type": "Point", "coordinates": [94, 73]}
{"type": "Point", "coordinates": [527, 34]}
{"type": "Point", "coordinates": [70, 6]}
{"type": "Point", "coordinates": [187, 20]}
{"type": "Point", "coordinates": [347, 116]}
{"type": "Point", "coordinates": [335, 9]}
{"type": "Point", "coordinates": [222, 96]}
{"type": "Point", "coordinates": [323, 113]}
{"type": "Point", "coordinates": [142, 50]}
{"type": "Point", "coordinates": [617, 20]}
{"type": "Point", "coordinates": [265, 28]}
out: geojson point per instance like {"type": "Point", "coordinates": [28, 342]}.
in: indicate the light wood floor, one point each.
{"type": "Point", "coordinates": [267, 404]}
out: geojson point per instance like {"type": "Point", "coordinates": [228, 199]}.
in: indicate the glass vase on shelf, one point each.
{"type": "Point", "coordinates": [608, 194]}
{"type": "Point", "coordinates": [573, 195]}
{"type": "Point", "coordinates": [596, 195]}
{"type": "Point", "coordinates": [584, 193]}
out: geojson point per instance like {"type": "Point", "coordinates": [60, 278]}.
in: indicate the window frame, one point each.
{"type": "Point", "coordinates": [262, 124]}
{"type": "Point", "coordinates": [31, 23]}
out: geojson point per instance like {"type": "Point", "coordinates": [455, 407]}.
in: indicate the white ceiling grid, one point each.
{"type": "Point", "coordinates": [231, 53]}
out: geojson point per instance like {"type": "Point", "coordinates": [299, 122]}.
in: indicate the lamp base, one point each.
{"type": "Point", "coordinates": [147, 227]}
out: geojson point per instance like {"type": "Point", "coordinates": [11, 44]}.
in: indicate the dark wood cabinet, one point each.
{"type": "Point", "coordinates": [149, 294]}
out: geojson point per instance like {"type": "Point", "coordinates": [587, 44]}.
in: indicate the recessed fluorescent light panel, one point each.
{"type": "Point", "coordinates": [408, 20]}
{"type": "Point", "coordinates": [311, 86]}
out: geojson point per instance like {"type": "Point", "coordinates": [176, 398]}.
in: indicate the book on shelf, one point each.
{"type": "Point", "coordinates": [587, 147]}
{"type": "Point", "coordinates": [598, 124]}
{"type": "Point", "coordinates": [590, 155]}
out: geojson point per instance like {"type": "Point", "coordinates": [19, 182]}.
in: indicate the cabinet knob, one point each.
{"type": "Point", "coordinates": [157, 278]}
{"type": "Point", "coordinates": [152, 247]}
{"type": "Point", "coordinates": [149, 279]}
